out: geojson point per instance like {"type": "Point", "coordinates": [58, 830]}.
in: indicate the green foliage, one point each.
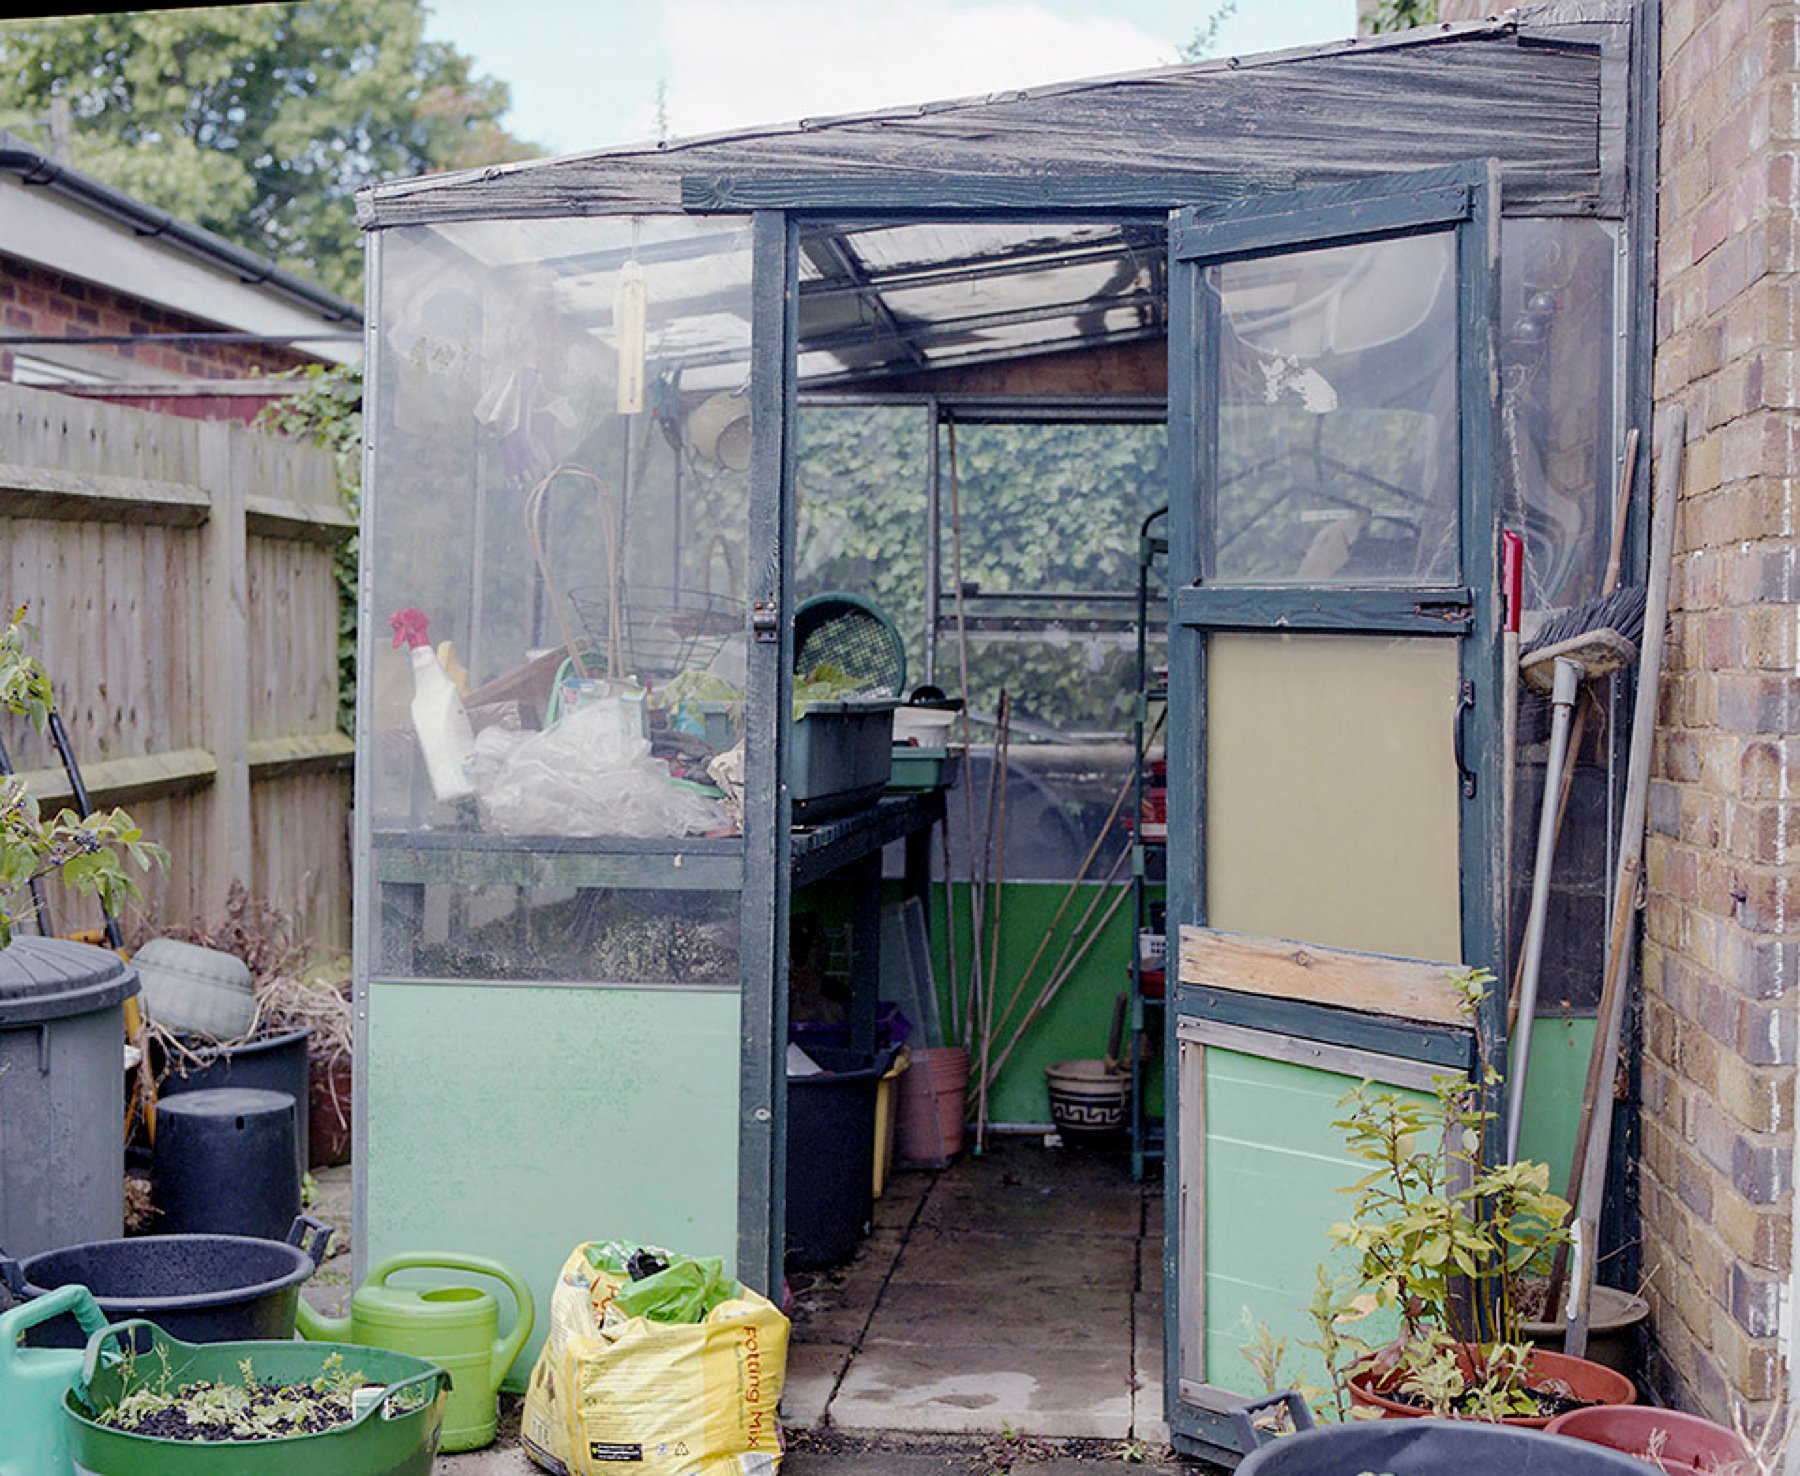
{"type": "Point", "coordinates": [258, 121]}
{"type": "Point", "coordinates": [1041, 508]}
{"type": "Point", "coordinates": [246, 1410]}
{"type": "Point", "coordinates": [327, 411]}
{"type": "Point", "coordinates": [1206, 35]}
{"type": "Point", "coordinates": [1402, 15]}
{"type": "Point", "coordinates": [84, 852]}
{"type": "Point", "coordinates": [1442, 1238]}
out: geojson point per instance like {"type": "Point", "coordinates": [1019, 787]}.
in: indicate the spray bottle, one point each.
{"type": "Point", "coordinates": [445, 737]}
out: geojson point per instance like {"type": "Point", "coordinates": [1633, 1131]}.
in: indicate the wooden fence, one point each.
{"type": "Point", "coordinates": [179, 575]}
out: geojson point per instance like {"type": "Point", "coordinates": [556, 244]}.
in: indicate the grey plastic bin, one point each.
{"type": "Point", "coordinates": [62, 1093]}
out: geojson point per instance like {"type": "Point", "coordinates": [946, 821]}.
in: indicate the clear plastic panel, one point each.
{"type": "Point", "coordinates": [1557, 444]}
{"type": "Point", "coordinates": [560, 490]}
{"type": "Point", "coordinates": [1337, 435]}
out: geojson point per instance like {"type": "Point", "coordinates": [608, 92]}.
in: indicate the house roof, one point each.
{"type": "Point", "coordinates": [1534, 89]}
{"type": "Point", "coordinates": [61, 218]}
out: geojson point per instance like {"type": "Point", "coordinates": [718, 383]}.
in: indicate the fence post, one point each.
{"type": "Point", "coordinates": [223, 689]}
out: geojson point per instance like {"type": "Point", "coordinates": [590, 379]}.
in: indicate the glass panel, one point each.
{"type": "Point", "coordinates": [1331, 791]}
{"type": "Point", "coordinates": [560, 490]}
{"type": "Point", "coordinates": [1557, 446]}
{"type": "Point", "coordinates": [1337, 435]}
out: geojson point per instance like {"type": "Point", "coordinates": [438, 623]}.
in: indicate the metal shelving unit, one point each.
{"type": "Point", "coordinates": [1148, 860]}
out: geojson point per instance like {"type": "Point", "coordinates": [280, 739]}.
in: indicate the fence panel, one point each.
{"type": "Point", "coordinates": [179, 575]}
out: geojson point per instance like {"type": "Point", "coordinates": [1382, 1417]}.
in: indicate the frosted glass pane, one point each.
{"type": "Point", "coordinates": [1331, 791]}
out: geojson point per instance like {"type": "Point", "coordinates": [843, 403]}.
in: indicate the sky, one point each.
{"type": "Point", "coordinates": [586, 73]}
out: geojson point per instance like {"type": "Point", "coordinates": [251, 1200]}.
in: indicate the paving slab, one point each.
{"type": "Point", "coordinates": [947, 1256]}
{"type": "Point", "coordinates": [1033, 1390]}
{"type": "Point", "coordinates": [1002, 1314]}
{"type": "Point", "coordinates": [813, 1371]}
{"type": "Point", "coordinates": [1025, 1210]}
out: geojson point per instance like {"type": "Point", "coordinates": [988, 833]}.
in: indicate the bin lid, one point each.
{"type": "Point", "coordinates": [49, 978]}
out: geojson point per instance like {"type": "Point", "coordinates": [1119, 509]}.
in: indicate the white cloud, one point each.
{"type": "Point", "coordinates": [734, 63]}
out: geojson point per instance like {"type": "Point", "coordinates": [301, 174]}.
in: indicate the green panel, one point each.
{"type": "Point", "coordinates": [517, 1122]}
{"type": "Point", "coordinates": [1274, 1169]}
{"type": "Point", "coordinates": [1076, 1022]}
{"type": "Point", "coordinates": [1559, 1060]}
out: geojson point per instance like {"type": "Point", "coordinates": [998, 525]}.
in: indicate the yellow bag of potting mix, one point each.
{"type": "Point", "coordinates": [676, 1371]}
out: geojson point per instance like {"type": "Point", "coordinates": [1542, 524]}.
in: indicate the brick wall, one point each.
{"type": "Point", "coordinates": [34, 299]}
{"type": "Point", "coordinates": [1722, 930]}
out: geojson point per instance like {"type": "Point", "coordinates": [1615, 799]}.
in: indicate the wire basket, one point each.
{"type": "Point", "coordinates": [848, 632]}
{"type": "Point", "coordinates": [660, 631]}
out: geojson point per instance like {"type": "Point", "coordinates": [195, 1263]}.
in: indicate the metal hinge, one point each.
{"type": "Point", "coordinates": [765, 621]}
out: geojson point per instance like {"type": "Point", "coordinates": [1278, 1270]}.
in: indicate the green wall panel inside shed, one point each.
{"type": "Point", "coordinates": [1559, 1061]}
{"type": "Point", "coordinates": [516, 1122]}
{"type": "Point", "coordinates": [1076, 1022]}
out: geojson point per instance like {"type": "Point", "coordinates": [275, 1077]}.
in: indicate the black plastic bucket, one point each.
{"type": "Point", "coordinates": [277, 1063]}
{"type": "Point", "coordinates": [1418, 1448]}
{"type": "Point", "coordinates": [831, 1155]}
{"type": "Point", "coordinates": [198, 1288]}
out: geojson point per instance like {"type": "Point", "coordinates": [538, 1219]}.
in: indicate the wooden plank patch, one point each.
{"type": "Point", "coordinates": [1280, 968]}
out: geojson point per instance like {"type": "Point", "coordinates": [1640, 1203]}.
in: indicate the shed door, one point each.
{"type": "Point", "coordinates": [1334, 701]}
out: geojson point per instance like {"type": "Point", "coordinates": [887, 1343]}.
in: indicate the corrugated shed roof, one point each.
{"type": "Point", "coordinates": [1526, 89]}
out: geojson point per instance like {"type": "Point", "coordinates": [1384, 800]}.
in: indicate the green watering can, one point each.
{"type": "Point", "coordinates": [34, 1436]}
{"type": "Point", "coordinates": [456, 1327]}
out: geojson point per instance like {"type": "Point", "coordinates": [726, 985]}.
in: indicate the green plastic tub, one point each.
{"type": "Point", "coordinates": [396, 1436]}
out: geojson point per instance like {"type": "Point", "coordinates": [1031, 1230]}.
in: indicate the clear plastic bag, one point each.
{"type": "Point", "coordinates": [589, 774]}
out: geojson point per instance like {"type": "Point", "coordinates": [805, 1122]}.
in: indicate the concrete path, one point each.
{"type": "Point", "coordinates": [1005, 1315]}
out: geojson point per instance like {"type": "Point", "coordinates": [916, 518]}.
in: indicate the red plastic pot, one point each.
{"type": "Point", "coordinates": [1592, 1383]}
{"type": "Point", "coordinates": [1688, 1445]}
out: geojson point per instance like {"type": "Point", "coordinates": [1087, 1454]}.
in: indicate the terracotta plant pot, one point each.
{"type": "Point", "coordinates": [1592, 1383]}
{"type": "Point", "coordinates": [1685, 1444]}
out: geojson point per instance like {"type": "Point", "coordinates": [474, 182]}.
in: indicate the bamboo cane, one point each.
{"type": "Point", "coordinates": [1003, 748]}
{"type": "Point", "coordinates": [1057, 981]}
{"type": "Point", "coordinates": [1105, 830]}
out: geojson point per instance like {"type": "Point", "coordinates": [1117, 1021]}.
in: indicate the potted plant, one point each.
{"type": "Point", "coordinates": [1446, 1239]}
{"type": "Point", "coordinates": [85, 852]}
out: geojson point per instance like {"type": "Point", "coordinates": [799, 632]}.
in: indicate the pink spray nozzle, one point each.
{"type": "Point", "coordinates": [409, 627]}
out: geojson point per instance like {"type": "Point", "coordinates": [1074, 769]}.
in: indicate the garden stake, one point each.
{"type": "Point", "coordinates": [1595, 1127]}
{"type": "Point", "coordinates": [949, 924]}
{"type": "Point", "coordinates": [1003, 748]}
{"type": "Point", "coordinates": [968, 788]}
{"type": "Point", "coordinates": [1056, 982]}
{"type": "Point", "coordinates": [40, 909]}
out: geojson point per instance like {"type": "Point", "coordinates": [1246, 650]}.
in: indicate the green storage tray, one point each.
{"type": "Point", "coordinates": [916, 770]}
{"type": "Point", "coordinates": [396, 1436]}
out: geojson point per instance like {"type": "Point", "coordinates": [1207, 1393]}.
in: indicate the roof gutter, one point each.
{"type": "Point", "coordinates": [33, 168]}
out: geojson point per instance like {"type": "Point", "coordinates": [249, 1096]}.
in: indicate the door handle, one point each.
{"type": "Point", "coordinates": [1465, 701]}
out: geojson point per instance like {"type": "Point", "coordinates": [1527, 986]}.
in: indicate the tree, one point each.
{"type": "Point", "coordinates": [258, 122]}
{"type": "Point", "coordinates": [1402, 15]}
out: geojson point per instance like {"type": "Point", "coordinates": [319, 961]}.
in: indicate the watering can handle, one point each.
{"type": "Point", "coordinates": [506, 1349]}
{"type": "Point", "coordinates": [1249, 1437]}
{"type": "Point", "coordinates": [76, 1301]}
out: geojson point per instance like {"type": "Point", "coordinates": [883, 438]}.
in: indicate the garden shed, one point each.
{"type": "Point", "coordinates": [1349, 314]}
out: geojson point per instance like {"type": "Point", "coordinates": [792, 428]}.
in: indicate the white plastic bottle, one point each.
{"type": "Point", "coordinates": [445, 738]}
